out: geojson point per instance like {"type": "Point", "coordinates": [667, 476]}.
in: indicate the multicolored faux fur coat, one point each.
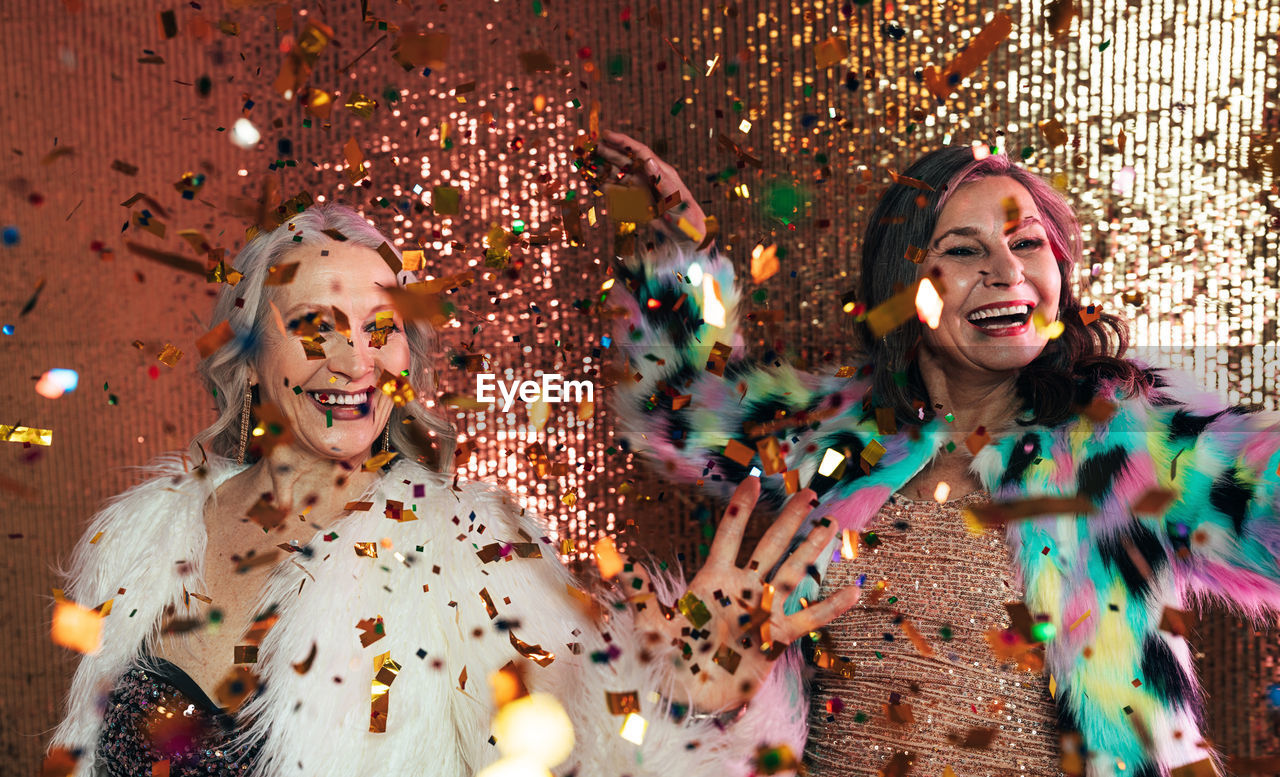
{"type": "Point", "coordinates": [1116, 672]}
{"type": "Point", "coordinates": [453, 546]}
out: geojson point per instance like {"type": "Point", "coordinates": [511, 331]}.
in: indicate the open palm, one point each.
{"type": "Point", "coordinates": [731, 621]}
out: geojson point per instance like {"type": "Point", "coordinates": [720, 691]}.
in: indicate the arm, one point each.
{"type": "Point", "coordinates": [131, 565]}
{"type": "Point", "coordinates": [626, 646]}
{"type": "Point", "coordinates": [1224, 525]}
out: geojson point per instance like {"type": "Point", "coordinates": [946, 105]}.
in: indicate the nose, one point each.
{"type": "Point", "coordinates": [1002, 268]}
{"type": "Point", "coordinates": [352, 359]}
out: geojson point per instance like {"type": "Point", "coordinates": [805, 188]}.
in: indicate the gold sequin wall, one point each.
{"type": "Point", "coordinates": [1157, 119]}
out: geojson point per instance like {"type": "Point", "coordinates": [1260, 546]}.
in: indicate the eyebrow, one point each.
{"type": "Point", "coordinates": [318, 308]}
{"type": "Point", "coordinates": [973, 231]}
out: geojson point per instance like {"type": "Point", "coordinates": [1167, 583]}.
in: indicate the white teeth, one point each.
{"type": "Point", "coordinates": [327, 398]}
{"type": "Point", "coordinates": [1010, 310]}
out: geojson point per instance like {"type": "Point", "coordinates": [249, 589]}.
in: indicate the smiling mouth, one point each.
{"type": "Point", "coordinates": [1002, 318]}
{"type": "Point", "coordinates": [343, 405]}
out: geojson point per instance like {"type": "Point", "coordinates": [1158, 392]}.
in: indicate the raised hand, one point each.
{"type": "Point", "coordinates": [644, 169]}
{"type": "Point", "coordinates": [732, 618]}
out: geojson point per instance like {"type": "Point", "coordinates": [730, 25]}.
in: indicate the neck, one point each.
{"type": "Point", "coordinates": [975, 399]}
{"type": "Point", "coordinates": [298, 482]}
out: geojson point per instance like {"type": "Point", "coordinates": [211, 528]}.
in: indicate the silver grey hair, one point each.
{"type": "Point", "coordinates": [415, 431]}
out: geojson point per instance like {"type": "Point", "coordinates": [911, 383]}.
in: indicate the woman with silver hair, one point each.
{"type": "Point", "coordinates": [310, 591]}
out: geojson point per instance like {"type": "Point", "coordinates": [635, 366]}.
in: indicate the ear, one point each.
{"type": "Point", "coordinates": [253, 376]}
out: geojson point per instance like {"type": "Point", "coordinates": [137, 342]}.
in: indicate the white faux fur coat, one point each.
{"type": "Point", "coordinates": [426, 585]}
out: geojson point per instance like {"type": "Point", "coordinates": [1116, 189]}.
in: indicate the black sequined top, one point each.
{"type": "Point", "coordinates": [158, 713]}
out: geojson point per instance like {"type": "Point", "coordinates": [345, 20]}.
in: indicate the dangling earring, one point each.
{"type": "Point", "coordinates": [244, 423]}
{"type": "Point", "coordinates": [386, 437]}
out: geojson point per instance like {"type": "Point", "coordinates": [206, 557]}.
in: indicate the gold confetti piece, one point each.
{"type": "Point", "coordinates": [149, 224]}
{"type": "Point", "coordinates": [304, 666]}
{"type": "Point", "coordinates": [462, 679]}
{"type": "Point", "coordinates": [947, 771]}
{"type": "Point", "coordinates": [238, 685]}
{"type": "Point", "coordinates": [633, 728]}
{"type": "Point", "coordinates": [737, 452]}
{"type": "Point", "coordinates": [629, 203]}
{"type": "Point", "coordinates": [728, 658]}
{"type": "Point", "coordinates": [95, 539]}
{"type": "Point", "coordinates": [1000, 513]}
{"type": "Point", "coordinates": [848, 546]}
{"type": "Point", "coordinates": [361, 105]}
{"type": "Point", "coordinates": [384, 674]}
{"type": "Point", "coordinates": [764, 263]}
{"type": "Point", "coordinates": [622, 702]}
{"type": "Point", "coordinates": [209, 342]}
{"type": "Point", "coordinates": [607, 558]}
{"type": "Point", "coordinates": [355, 161]}
{"type": "Point", "coordinates": [358, 507]}
{"type": "Point", "coordinates": [977, 440]}
{"type": "Point", "coordinates": [791, 481]}
{"type": "Point", "coordinates": [26, 434]}
{"type": "Point", "coordinates": [831, 51]}
{"type": "Point", "coordinates": [281, 274]}
{"type": "Point", "coordinates": [389, 256]}
{"type": "Point", "coordinates": [371, 630]}
{"type": "Point", "coordinates": [534, 653]}
{"type": "Point", "coordinates": [917, 639]}
{"type": "Point", "coordinates": [265, 514]}
{"type": "Point", "coordinates": [719, 358]}
{"type": "Point", "coordinates": [488, 603]}
{"type": "Point", "coordinates": [446, 200]}
{"type": "Point", "coordinates": [1053, 687]}
{"type": "Point", "coordinates": [914, 183]}
{"type": "Point", "coordinates": [1043, 326]}
{"type": "Point", "coordinates": [412, 259]}
{"type": "Point", "coordinates": [261, 625]}
{"type": "Point", "coordinates": [60, 762]}
{"type": "Point", "coordinates": [832, 460]}
{"type": "Point", "coordinates": [169, 355]}
{"type": "Point", "coordinates": [942, 82]}
{"type": "Point", "coordinates": [916, 254]}
{"type": "Point", "coordinates": [1012, 214]}
{"type": "Point", "coordinates": [977, 738]}
{"type": "Point", "coordinates": [160, 768]}
{"type": "Point", "coordinates": [245, 654]}
{"type": "Point", "coordinates": [770, 452]}
{"type": "Point", "coordinates": [1201, 768]}
{"type": "Point", "coordinates": [366, 549]}
{"type": "Point", "coordinates": [928, 303]}
{"type": "Point", "coordinates": [893, 312]}
{"type": "Point", "coordinates": [1089, 314]}
{"type": "Point", "coordinates": [1154, 502]}
{"type": "Point", "coordinates": [1083, 617]}
{"type": "Point", "coordinates": [694, 609]}
{"type": "Point", "coordinates": [899, 714]}
{"type": "Point", "coordinates": [377, 462]}
{"type": "Point", "coordinates": [1178, 622]}
{"type": "Point", "coordinates": [76, 628]}
{"type": "Point", "coordinates": [872, 452]}
{"type": "Point", "coordinates": [1053, 132]}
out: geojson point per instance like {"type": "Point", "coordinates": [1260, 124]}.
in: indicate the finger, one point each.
{"type": "Point", "coordinates": [777, 538]}
{"type": "Point", "coordinates": [798, 563]}
{"type": "Point", "coordinates": [817, 615]}
{"type": "Point", "coordinates": [724, 548]}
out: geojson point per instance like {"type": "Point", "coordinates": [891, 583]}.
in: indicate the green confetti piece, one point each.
{"type": "Point", "coordinates": [946, 633]}
{"type": "Point", "coordinates": [1103, 46]}
{"type": "Point", "coordinates": [1027, 151]}
{"type": "Point", "coordinates": [1043, 632]}
{"type": "Point", "coordinates": [677, 106]}
{"type": "Point", "coordinates": [328, 418]}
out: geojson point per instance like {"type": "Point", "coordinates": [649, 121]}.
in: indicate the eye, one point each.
{"type": "Point", "coordinates": [960, 251]}
{"type": "Point", "coordinates": [372, 326]}
{"type": "Point", "coordinates": [1031, 243]}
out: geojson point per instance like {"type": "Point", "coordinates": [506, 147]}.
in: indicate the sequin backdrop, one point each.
{"type": "Point", "coordinates": [785, 118]}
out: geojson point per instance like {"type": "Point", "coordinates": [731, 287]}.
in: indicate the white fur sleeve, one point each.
{"type": "Point", "coordinates": [596, 656]}
{"type": "Point", "coordinates": [128, 555]}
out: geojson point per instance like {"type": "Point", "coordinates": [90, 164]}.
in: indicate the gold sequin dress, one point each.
{"type": "Point", "coordinates": [906, 714]}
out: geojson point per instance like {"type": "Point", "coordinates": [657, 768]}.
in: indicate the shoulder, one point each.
{"type": "Point", "coordinates": [133, 526]}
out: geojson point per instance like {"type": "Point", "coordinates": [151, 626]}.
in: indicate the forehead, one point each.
{"type": "Point", "coordinates": [982, 203]}
{"type": "Point", "coordinates": [334, 273]}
